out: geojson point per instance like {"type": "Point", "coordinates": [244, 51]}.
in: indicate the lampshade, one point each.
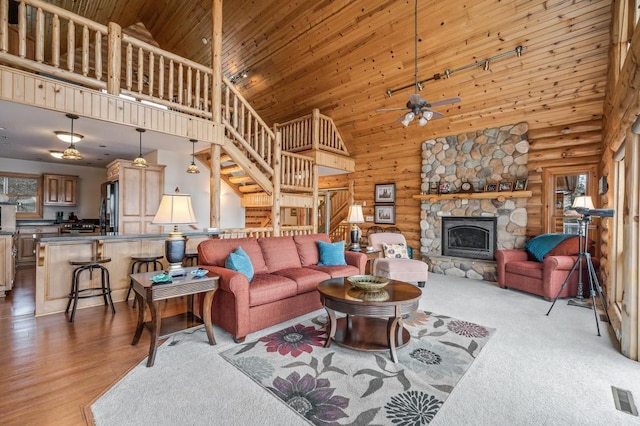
{"type": "Point", "coordinates": [583, 201]}
{"type": "Point", "coordinates": [71, 153]}
{"type": "Point", "coordinates": [422, 121]}
{"type": "Point", "coordinates": [355, 214]}
{"type": "Point", "coordinates": [140, 161]}
{"type": "Point", "coordinates": [175, 209]}
{"type": "Point", "coordinates": [68, 137]}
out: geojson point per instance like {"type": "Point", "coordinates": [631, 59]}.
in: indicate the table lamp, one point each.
{"type": "Point", "coordinates": [175, 209]}
{"type": "Point", "coordinates": [583, 201]}
{"type": "Point", "coordinates": [355, 216]}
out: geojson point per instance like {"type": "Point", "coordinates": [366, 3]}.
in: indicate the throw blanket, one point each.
{"type": "Point", "coordinates": [542, 244]}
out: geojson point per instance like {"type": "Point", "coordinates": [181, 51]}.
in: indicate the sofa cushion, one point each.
{"type": "Point", "coordinates": [307, 246]}
{"type": "Point", "coordinates": [331, 254]}
{"type": "Point", "coordinates": [569, 247]}
{"type": "Point", "coordinates": [395, 251]}
{"type": "Point", "coordinates": [239, 261]}
{"type": "Point", "coordinates": [338, 271]}
{"type": "Point", "coordinates": [215, 252]}
{"type": "Point", "coordinates": [306, 279]}
{"type": "Point", "coordinates": [279, 253]}
{"type": "Point", "coordinates": [267, 288]}
{"type": "Point", "coordinates": [525, 267]}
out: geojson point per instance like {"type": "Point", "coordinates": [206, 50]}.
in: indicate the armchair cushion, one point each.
{"type": "Point", "coordinates": [331, 254]}
{"type": "Point", "coordinates": [395, 251]}
{"type": "Point", "coordinates": [239, 261]}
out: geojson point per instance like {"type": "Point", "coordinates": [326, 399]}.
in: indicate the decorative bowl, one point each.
{"type": "Point", "coordinates": [368, 282]}
{"type": "Point", "coordinates": [199, 273]}
{"type": "Point", "coordinates": [162, 278]}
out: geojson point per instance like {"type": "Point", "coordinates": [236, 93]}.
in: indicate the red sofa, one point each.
{"type": "Point", "coordinates": [284, 285]}
{"type": "Point", "coordinates": [517, 269]}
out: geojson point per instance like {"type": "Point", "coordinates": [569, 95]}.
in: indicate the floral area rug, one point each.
{"type": "Point", "coordinates": [338, 385]}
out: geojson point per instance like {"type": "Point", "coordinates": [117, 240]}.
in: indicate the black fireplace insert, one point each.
{"type": "Point", "coordinates": [470, 237]}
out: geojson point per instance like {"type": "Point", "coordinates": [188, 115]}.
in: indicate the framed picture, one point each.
{"type": "Point", "coordinates": [520, 185]}
{"type": "Point", "coordinates": [294, 212]}
{"type": "Point", "coordinates": [385, 214]}
{"type": "Point", "coordinates": [444, 188]}
{"type": "Point", "coordinates": [491, 187]}
{"type": "Point", "coordinates": [506, 185]}
{"type": "Point", "coordinates": [385, 193]}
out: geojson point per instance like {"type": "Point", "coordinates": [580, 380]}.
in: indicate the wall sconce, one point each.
{"type": "Point", "coordinates": [140, 161]}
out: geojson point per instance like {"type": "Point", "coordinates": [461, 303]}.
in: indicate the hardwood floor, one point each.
{"type": "Point", "coordinates": [52, 369]}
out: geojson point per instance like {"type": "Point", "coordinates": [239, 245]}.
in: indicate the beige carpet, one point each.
{"type": "Point", "coordinates": [535, 370]}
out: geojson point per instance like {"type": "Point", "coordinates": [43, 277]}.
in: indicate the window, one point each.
{"type": "Point", "coordinates": [24, 190]}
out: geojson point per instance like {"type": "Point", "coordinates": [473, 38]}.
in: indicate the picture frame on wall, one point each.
{"type": "Point", "coordinates": [385, 215]}
{"type": "Point", "coordinates": [520, 185]}
{"type": "Point", "coordinates": [385, 193]}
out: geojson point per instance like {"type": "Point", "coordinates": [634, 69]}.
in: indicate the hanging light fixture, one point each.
{"type": "Point", "coordinates": [71, 153]}
{"type": "Point", "coordinates": [140, 161]}
{"type": "Point", "coordinates": [192, 167]}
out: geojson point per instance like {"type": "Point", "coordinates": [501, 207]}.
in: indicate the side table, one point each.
{"type": "Point", "coordinates": [371, 255]}
{"type": "Point", "coordinates": [148, 293]}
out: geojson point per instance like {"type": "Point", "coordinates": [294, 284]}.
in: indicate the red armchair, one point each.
{"type": "Point", "coordinates": [518, 270]}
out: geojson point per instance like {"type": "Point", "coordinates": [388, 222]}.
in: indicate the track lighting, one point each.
{"type": "Point", "coordinates": [486, 65]}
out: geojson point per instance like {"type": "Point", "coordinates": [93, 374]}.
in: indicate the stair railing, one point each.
{"type": "Point", "coordinates": [312, 131]}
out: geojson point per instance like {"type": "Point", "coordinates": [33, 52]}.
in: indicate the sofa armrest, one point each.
{"type": "Point", "coordinates": [505, 256]}
{"type": "Point", "coordinates": [231, 281]}
{"type": "Point", "coordinates": [357, 259]}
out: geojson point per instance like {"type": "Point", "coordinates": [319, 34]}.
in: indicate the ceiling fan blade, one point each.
{"type": "Point", "coordinates": [444, 102]}
{"type": "Point", "coordinates": [436, 115]}
{"type": "Point", "coordinates": [399, 119]}
{"type": "Point", "coordinates": [390, 109]}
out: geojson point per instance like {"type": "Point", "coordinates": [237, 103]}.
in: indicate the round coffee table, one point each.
{"type": "Point", "coordinates": [374, 318]}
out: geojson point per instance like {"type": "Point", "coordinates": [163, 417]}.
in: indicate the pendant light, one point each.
{"type": "Point", "coordinates": [140, 161]}
{"type": "Point", "coordinates": [71, 153]}
{"type": "Point", "coordinates": [192, 167]}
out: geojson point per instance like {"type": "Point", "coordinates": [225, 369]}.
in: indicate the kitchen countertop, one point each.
{"type": "Point", "coordinates": [7, 232]}
{"type": "Point", "coordinates": [116, 236]}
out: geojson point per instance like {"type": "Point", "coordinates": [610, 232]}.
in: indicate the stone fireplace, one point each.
{"type": "Point", "coordinates": [480, 158]}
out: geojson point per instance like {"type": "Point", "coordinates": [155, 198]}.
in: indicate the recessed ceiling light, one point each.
{"type": "Point", "coordinates": [102, 146]}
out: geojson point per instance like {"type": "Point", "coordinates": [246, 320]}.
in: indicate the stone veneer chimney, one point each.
{"type": "Point", "coordinates": [487, 156]}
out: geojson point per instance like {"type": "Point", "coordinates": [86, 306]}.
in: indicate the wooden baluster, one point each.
{"type": "Point", "coordinates": [151, 70]}
{"type": "Point", "coordinates": [85, 50]}
{"type": "Point", "coordinates": [98, 55]}
{"type": "Point", "coordinates": [4, 25]}
{"type": "Point", "coordinates": [140, 77]}
{"type": "Point", "coordinates": [227, 112]}
{"type": "Point", "coordinates": [206, 94]}
{"type": "Point", "coordinates": [170, 90]}
{"type": "Point", "coordinates": [129, 66]}
{"type": "Point", "coordinates": [242, 119]}
{"type": "Point", "coordinates": [235, 112]}
{"type": "Point", "coordinates": [180, 83]}
{"type": "Point", "coordinates": [189, 86]}
{"type": "Point", "coordinates": [55, 41]}
{"type": "Point", "coordinates": [197, 91]}
{"type": "Point", "coordinates": [22, 30]}
{"type": "Point", "coordinates": [71, 45]}
{"type": "Point", "coordinates": [161, 77]}
{"type": "Point", "coordinates": [39, 36]}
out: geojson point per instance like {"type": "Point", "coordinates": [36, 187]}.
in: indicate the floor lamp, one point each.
{"type": "Point", "coordinates": [355, 216]}
{"type": "Point", "coordinates": [583, 232]}
{"type": "Point", "coordinates": [175, 209]}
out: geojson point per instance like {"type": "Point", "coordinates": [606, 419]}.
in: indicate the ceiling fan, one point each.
{"type": "Point", "coordinates": [417, 105]}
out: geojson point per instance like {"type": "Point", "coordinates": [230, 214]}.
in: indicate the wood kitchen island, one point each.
{"type": "Point", "coordinates": [53, 271]}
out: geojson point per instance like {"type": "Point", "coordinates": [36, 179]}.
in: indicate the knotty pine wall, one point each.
{"type": "Point", "coordinates": [384, 159]}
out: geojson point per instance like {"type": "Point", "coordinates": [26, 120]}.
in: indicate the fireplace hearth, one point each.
{"type": "Point", "coordinates": [469, 237]}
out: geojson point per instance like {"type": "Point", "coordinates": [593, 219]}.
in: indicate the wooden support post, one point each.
{"type": "Point", "coordinates": [315, 129]}
{"type": "Point", "coordinates": [114, 48]}
{"type": "Point", "coordinates": [314, 208]}
{"type": "Point", "coordinates": [215, 186]}
{"type": "Point", "coordinates": [277, 175]}
{"type": "Point", "coordinates": [4, 22]}
{"type": "Point", "coordinates": [216, 62]}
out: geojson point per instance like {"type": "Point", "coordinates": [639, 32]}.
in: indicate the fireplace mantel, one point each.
{"type": "Point", "coordinates": [500, 196]}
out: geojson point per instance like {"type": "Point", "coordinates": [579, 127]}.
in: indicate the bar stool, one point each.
{"type": "Point", "coordinates": [140, 261]}
{"type": "Point", "coordinates": [190, 259]}
{"type": "Point", "coordinates": [89, 264]}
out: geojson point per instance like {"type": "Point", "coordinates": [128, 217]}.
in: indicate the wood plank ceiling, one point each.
{"type": "Point", "coordinates": [341, 56]}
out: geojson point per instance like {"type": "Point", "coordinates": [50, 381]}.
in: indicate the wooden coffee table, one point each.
{"type": "Point", "coordinates": [148, 292]}
{"type": "Point", "coordinates": [374, 318]}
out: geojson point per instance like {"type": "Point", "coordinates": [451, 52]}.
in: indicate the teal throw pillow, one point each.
{"type": "Point", "coordinates": [331, 254]}
{"type": "Point", "coordinates": [239, 261]}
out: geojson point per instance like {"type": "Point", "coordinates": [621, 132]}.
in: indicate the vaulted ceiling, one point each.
{"type": "Point", "coordinates": [341, 56]}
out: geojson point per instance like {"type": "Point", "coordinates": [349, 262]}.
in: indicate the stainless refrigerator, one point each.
{"type": "Point", "coordinates": [109, 207]}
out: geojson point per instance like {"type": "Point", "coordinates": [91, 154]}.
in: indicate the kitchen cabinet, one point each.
{"type": "Point", "coordinates": [7, 263]}
{"type": "Point", "coordinates": [26, 244]}
{"type": "Point", "coordinates": [139, 194]}
{"type": "Point", "coordinates": [60, 190]}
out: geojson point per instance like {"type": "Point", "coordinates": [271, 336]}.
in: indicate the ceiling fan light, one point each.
{"type": "Point", "coordinates": [428, 115]}
{"type": "Point", "coordinates": [422, 121]}
{"type": "Point", "coordinates": [409, 116]}
{"type": "Point", "coordinates": [405, 122]}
